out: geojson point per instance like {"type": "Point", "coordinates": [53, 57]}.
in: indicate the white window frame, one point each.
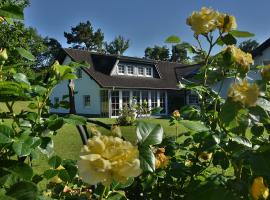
{"type": "Point", "coordinates": [84, 100]}
{"type": "Point", "coordinates": [143, 71]}
{"type": "Point", "coordinates": [151, 70]}
{"type": "Point", "coordinates": [130, 67]}
{"type": "Point", "coordinates": [118, 71]}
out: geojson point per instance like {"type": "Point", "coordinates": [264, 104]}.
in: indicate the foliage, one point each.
{"type": "Point", "coordinates": [118, 46]}
{"type": "Point", "coordinates": [180, 53]}
{"type": "Point", "coordinates": [157, 53]}
{"type": "Point", "coordinates": [248, 45]}
{"type": "Point", "coordinates": [127, 116]}
{"type": "Point", "coordinates": [83, 36]}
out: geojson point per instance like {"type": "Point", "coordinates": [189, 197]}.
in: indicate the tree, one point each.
{"type": "Point", "coordinates": [118, 46]}
{"type": "Point", "coordinates": [180, 53]}
{"type": "Point", "coordinates": [20, 3]}
{"type": "Point", "coordinates": [51, 52]}
{"type": "Point", "coordinates": [248, 46]}
{"type": "Point", "coordinates": [157, 53]}
{"type": "Point", "coordinates": [83, 36]}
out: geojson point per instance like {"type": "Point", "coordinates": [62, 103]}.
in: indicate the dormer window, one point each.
{"type": "Point", "coordinates": [130, 70]}
{"type": "Point", "coordinates": [121, 69]}
{"type": "Point", "coordinates": [148, 71]}
{"type": "Point", "coordinates": [140, 71]}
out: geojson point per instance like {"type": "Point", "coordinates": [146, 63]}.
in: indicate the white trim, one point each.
{"type": "Point", "coordinates": [120, 100]}
{"type": "Point", "coordinates": [110, 103]}
{"type": "Point", "coordinates": [158, 99]}
{"type": "Point", "coordinates": [166, 103]}
{"type": "Point", "coordinates": [115, 68]}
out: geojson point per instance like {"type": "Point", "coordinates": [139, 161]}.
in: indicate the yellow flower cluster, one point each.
{"type": "Point", "coordinates": [258, 189]}
{"type": "Point", "coordinates": [176, 114]}
{"type": "Point", "coordinates": [242, 59]}
{"type": "Point", "coordinates": [105, 159]}
{"type": "Point", "coordinates": [265, 73]}
{"type": "Point", "coordinates": [207, 20]}
{"type": "Point", "coordinates": [245, 93]}
{"type": "Point", "coordinates": [3, 55]}
{"type": "Point", "coordinates": [162, 160]}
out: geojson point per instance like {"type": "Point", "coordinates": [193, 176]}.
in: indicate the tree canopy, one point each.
{"type": "Point", "coordinates": [249, 45]}
{"type": "Point", "coordinates": [157, 53]}
{"type": "Point", "coordinates": [118, 46]}
{"type": "Point", "coordinates": [83, 36]}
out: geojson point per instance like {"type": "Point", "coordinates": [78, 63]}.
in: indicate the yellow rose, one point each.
{"type": "Point", "coordinates": [243, 60]}
{"type": "Point", "coordinates": [265, 73]}
{"type": "Point", "coordinates": [176, 114]}
{"type": "Point", "coordinates": [205, 156]}
{"type": "Point", "coordinates": [204, 21]}
{"type": "Point", "coordinates": [258, 189]}
{"type": "Point", "coordinates": [105, 159]}
{"type": "Point", "coordinates": [162, 160]}
{"type": "Point", "coordinates": [56, 179]}
{"type": "Point", "coordinates": [245, 93]}
{"type": "Point", "coordinates": [226, 22]}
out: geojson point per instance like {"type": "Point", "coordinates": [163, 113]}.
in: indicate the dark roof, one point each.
{"type": "Point", "coordinates": [258, 51]}
{"type": "Point", "coordinates": [169, 73]}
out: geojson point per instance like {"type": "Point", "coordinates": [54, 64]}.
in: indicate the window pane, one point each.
{"type": "Point", "coordinates": [153, 99]}
{"type": "Point", "coordinates": [121, 69]}
{"type": "Point", "coordinates": [193, 99]}
{"type": "Point", "coordinates": [130, 70]}
{"type": "Point", "coordinates": [115, 103]}
{"type": "Point", "coordinates": [87, 101]}
{"type": "Point", "coordinates": [104, 103]}
{"type": "Point", "coordinates": [140, 70]}
{"type": "Point", "coordinates": [145, 97]}
{"type": "Point", "coordinates": [148, 71]}
{"type": "Point", "coordinates": [162, 97]}
{"type": "Point", "coordinates": [136, 97]}
{"type": "Point", "coordinates": [125, 98]}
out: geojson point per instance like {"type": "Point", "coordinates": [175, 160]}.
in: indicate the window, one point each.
{"type": "Point", "coordinates": [125, 98]}
{"type": "Point", "coordinates": [56, 100]}
{"type": "Point", "coordinates": [136, 97]}
{"type": "Point", "coordinates": [140, 71]}
{"type": "Point", "coordinates": [87, 101]}
{"type": "Point", "coordinates": [121, 69]}
{"type": "Point", "coordinates": [79, 73]}
{"type": "Point", "coordinates": [104, 103]}
{"type": "Point", "coordinates": [130, 70]}
{"type": "Point", "coordinates": [162, 97]}
{"type": "Point", "coordinates": [193, 99]}
{"type": "Point", "coordinates": [115, 103]}
{"type": "Point", "coordinates": [148, 71]}
{"type": "Point", "coordinates": [153, 99]}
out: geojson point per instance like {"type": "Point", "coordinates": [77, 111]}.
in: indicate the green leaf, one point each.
{"type": "Point", "coordinates": [25, 54]}
{"type": "Point", "coordinates": [156, 110]}
{"type": "Point", "coordinates": [242, 141]}
{"type": "Point", "coordinates": [229, 39]}
{"type": "Point", "coordinates": [63, 175]}
{"type": "Point", "coordinates": [75, 120]}
{"type": "Point", "coordinates": [147, 159]}
{"type": "Point", "coordinates": [149, 134]}
{"type": "Point", "coordinates": [221, 159]}
{"type": "Point", "coordinates": [12, 11]}
{"type": "Point", "coordinates": [55, 161]}
{"type": "Point", "coordinates": [117, 185]}
{"type": "Point", "coordinates": [46, 146]}
{"type": "Point", "coordinates": [5, 133]}
{"type": "Point", "coordinates": [21, 147]}
{"type": "Point", "coordinates": [173, 39]}
{"type": "Point", "coordinates": [23, 190]}
{"type": "Point", "coordinates": [257, 130]}
{"type": "Point", "coordinates": [56, 124]}
{"type": "Point", "coordinates": [21, 78]}
{"type": "Point", "coordinates": [4, 139]}
{"type": "Point", "coordinates": [117, 195]}
{"type": "Point", "coordinates": [241, 34]}
{"type": "Point", "coordinates": [196, 126]}
{"type": "Point", "coordinates": [21, 170]}
{"type": "Point", "coordinates": [50, 173]}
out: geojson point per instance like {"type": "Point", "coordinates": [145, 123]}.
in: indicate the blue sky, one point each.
{"type": "Point", "coordinates": [144, 22]}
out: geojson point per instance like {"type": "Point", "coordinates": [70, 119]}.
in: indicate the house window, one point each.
{"type": "Point", "coordinates": [115, 103]}
{"type": "Point", "coordinates": [104, 103]}
{"type": "Point", "coordinates": [87, 100]}
{"type": "Point", "coordinates": [79, 73]}
{"type": "Point", "coordinates": [125, 98]}
{"type": "Point", "coordinates": [153, 99]}
{"type": "Point", "coordinates": [141, 71]}
{"type": "Point", "coordinates": [56, 100]}
{"type": "Point", "coordinates": [136, 97]}
{"type": "Point", "coordinates": [121, 69]}
{"type": "Point", "coordinates": [193, 99]}
{"type": "Point", "coordinates": [145, 98]}
{"type": "Point", "coordinates": [162, 97]}
{"type": "Point", "coordinates": [148, 71]}
{"type": "Point", "coordinates": [130, 70]}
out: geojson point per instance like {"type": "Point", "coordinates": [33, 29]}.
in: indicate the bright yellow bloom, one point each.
{"type": "Point", "coordinates": [162, 160]}
{"type": "Point", "coordinates": [245, 93]}
{"type": "Point", "coordinates": [265, 73]}
{"type": "Point", "coordinates": [204, 21]}
{"type": "Point", "coordinates": [105, 159]}
{"type": "Point", "coordinates": [205, 156]}
{"type": "Point", "coordinates": [2, 19]}
{"type": "Point", "coordinates": [226, 22]}
{"type": "Point", "coordinates": [242, 59]}
{"type": "Point", "coordinates": [176, 114]}
{"type": "Point", "coordinates": [259, 189]}
{"type": "Point", "coordinates": [56, 179]}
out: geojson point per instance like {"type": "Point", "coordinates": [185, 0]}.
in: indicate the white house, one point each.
{"type": "Point", "coordinates": [112, 81]}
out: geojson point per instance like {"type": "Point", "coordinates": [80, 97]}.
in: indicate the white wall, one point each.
{"type": "Point", "coordinates": [258, 60]}
{"type": "Point", "coordinates": [83, 86]}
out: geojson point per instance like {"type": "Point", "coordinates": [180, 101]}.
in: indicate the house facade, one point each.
{"type": "Point", "coordinates": [112, 81]}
